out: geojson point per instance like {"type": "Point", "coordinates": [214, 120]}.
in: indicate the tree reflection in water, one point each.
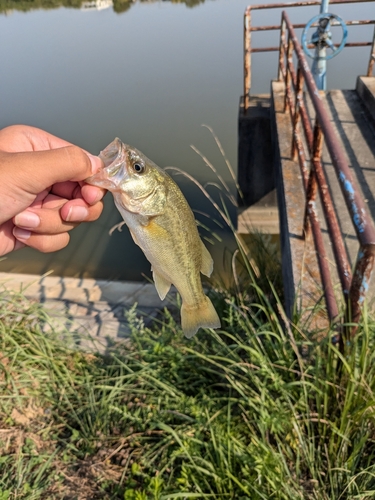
{"type": "Point", "coordinates": [119, 6]}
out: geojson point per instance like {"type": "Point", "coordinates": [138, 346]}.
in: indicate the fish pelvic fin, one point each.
{"type": "Point", "coordinates": [193, 318]}
{"type": "Point", "coordinates": [161, 284]}
{"type": "Point", "coordinates": [207, 265]}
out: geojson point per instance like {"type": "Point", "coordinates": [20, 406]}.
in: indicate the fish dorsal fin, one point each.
{"type": "Point", "coordinates": [207, 265]}
{"type": "Point", "coordinates": [161, 284]}
{"type": "Point", "coordinates": [155, 203]}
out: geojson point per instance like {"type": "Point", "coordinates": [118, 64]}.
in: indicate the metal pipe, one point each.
{"type": "Point", "coordinates": [338, 246]}
{"type": "Point", "coordinates": [281, 51]}
{"type": "Point", "coordinates": [324, 6]}
{"type": "Point", "coordinates": [297, 110]}
{"type": "Point", "coordinates": [372, 57]}
{"type": "Point", "coordinates": [307, 3]}
{"type": "Point", "coordinates": [309, 183]}
{"type": "Point", "coordinates": [310, 186]}
{"type": "Point", "coordinates": [247, 59]}
{"type": "Point", "coordinates": [325, 273]}
{"type": "Point", "coordinates": [360, 283]}
{"type": "Point", "coordinates": [319, 66]}
{"type": "Point", "coordinates": [288, 96]}
{"type": "Point", "coordinates": [300, 26]}
{"type": "Point", "coordinates": [311, 46]}
{"type": "Point", "coordinates": [339, 250]}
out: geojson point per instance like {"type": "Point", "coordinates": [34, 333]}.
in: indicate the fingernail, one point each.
{"type": "Point", "coordinates": [77, 214]}
{"type": "Point", "coordinates": [21, 234]}
{"type": "Point", "coordinates": [96, 163]}
{"type": "Point", "coordinates": [27, 219]}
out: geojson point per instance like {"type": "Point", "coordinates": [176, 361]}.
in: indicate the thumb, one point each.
{"type": "Point", "coordinates": [37, 170]}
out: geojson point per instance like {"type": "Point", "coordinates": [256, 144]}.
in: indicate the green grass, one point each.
{"type": "Point", "coordinates": [256, 410]}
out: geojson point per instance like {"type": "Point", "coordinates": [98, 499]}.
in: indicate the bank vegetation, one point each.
{"type": "Point", "coordinates": [259, 409]}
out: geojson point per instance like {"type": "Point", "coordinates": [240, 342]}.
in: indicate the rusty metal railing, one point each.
{"type": "Point", "coordinates": [249, 29]}
{"type": "Point", "coordinates": [354, 286]}
{"type": "Point", "coordinates": [307, 146]}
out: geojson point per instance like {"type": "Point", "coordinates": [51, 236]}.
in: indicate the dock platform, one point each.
{"type": "Point", "coordinates": [316, 152]}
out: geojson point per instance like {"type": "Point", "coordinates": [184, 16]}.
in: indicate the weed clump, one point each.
{"type": "Point", "coordinates": [254, 410]}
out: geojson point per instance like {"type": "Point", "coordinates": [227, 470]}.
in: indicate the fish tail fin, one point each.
{"type": "Point", "coordinates": [203, 316]}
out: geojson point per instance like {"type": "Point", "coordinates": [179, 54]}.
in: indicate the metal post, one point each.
{"type": "Point", "coordinates": [319, 66]}
{"type": "Point", "coordinates": [372, 57]}
{"type": "Point", "coordinates": [247, 59]}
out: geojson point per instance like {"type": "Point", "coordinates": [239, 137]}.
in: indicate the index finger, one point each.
{"type": "Point", "coordinates": [36, 171]}
{"type": "Point", "coordinates": [17, 138]}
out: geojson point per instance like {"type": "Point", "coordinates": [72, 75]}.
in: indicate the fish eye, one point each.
{"type": "Point", "coordinates": [139, 168]}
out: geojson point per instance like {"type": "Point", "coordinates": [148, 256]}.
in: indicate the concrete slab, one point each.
{"type": "Point", "coordinates": [365, 88]}
{"type": "Point", "coordinates": [93, 312]}
{"type": "Point", "coordinates": [114, 329]}
{"type": "Point", "coordinates": [86, 290]}
{"type": "Point", "coordinates": [262, 217]}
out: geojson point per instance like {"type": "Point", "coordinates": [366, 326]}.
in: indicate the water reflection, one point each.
{"type": "Point", "coordinates": [119, 6]}
{"type": "Point", "coordinates": [96, 4]}
{"type": "Point", "coordinates": [150, 77]}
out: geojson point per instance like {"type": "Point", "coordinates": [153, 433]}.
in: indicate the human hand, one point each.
{"type": "Point", "coordinates": [42, 193]}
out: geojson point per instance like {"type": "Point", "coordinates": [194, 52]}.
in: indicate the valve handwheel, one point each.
{"type": "Point", "coordinates": [322, 38]}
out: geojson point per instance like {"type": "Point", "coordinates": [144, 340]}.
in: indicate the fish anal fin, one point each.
{"type": "Point", "coordinates": [193, 318]}
{"type": "Point", "coordinates": [207, 265]}
{"type": "Point", "coordinates": [161, 284]}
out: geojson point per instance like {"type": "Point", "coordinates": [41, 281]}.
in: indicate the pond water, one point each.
{"type": "Point", "coordinates": [151, 75]}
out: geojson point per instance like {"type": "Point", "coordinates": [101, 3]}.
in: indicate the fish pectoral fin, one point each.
{"type": "Point", "coordinates": [207, 265]}
{"type": "Point", "coordinates": [161, 284]}
{"type": "Point", "coordinates": [155, 203]}
{"type": "Point", "coordinates": [193, 318]}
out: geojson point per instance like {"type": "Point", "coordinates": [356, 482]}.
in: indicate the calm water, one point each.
{"type": "Point", "coordinates": [151, 76]}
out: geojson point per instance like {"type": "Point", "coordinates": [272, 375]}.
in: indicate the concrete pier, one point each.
{"type": "Point", "coordinates": [256, 170]}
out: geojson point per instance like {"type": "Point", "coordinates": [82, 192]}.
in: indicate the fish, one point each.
{"type": "Point", "coordinates": [162, 224]}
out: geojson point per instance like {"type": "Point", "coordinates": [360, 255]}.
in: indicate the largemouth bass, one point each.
{"type": "Point", "coordinates": [163, 226]}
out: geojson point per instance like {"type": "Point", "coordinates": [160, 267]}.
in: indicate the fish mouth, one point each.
{"type": "Point", "coordinates": [114, 171]}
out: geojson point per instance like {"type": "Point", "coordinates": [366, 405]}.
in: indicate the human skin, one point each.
{"type": "Point", "coordinates": [42, 190]}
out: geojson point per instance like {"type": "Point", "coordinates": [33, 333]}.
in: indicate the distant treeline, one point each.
{"type": "Point", "coordinates": [118, 5]}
